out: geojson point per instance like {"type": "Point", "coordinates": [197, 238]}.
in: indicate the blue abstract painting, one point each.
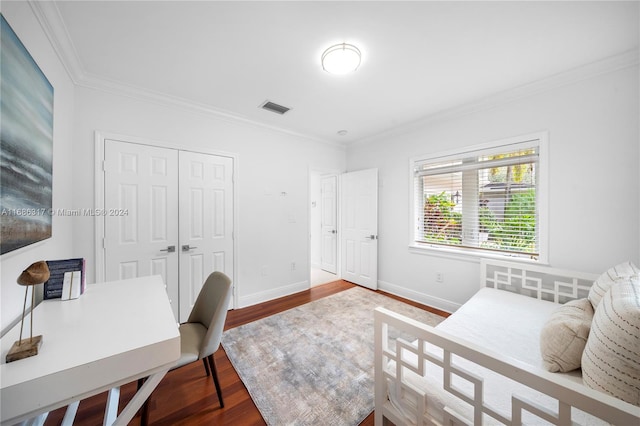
{"type": "Point", "coordinates": [26, 146]}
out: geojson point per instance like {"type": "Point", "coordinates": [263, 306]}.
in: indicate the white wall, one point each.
{"type": "Point", "coordinates": [315, 218]}
{"type": "Point", "coordinates": [270, 163]}
{"type": "Point", "coordinates": [21, 18]}
{"type": "Point", "coordinates": [594, 182]}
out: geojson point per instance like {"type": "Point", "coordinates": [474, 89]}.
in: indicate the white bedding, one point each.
{"type": "Point", "coordinates": [503, 322]}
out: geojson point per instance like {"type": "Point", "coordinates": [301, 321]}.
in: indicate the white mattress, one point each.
{"type": "Point", "coordinates": [502, 322]}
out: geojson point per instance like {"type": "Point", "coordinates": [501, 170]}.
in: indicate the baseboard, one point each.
{"type": "Point", "coordinates": [425, 299]}
{"type": "Point", "coordinates": [274, 293]}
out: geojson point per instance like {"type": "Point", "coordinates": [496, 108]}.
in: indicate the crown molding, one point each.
{"type": "Point", "coordinates": [94, 82]}
{"type": "Point", "coordinates": [48, 15]}
{"type": "Point", "coordinates": [607, 65]}
{"type": "Point", "coordinates": [51, 21]}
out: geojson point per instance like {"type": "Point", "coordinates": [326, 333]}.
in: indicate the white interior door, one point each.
{"type": "Point", "coordinates": [359, 227]}
{"type": "Point", "coordinates": [141, 205]}
{"type": "Point", "coordinates": [169, 212]}
{"type": "Point", "coordinates": [206, 222]}
{"type": "Point", "coordinates": [329, 223]}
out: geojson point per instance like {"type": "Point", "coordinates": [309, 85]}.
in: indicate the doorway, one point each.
{"type": "Point", "coordinates": [323, 227]}
{"type": "Point", "coordinates": [343, 227]}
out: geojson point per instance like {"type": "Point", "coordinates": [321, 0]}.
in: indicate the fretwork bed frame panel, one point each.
{"type": "Point", "coordinates": [537, 281]}
{"type": "Point", "coordinates": [541, 282]}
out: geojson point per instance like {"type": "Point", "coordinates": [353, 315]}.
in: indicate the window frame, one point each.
{"type": "Point", "coordinates": [542, 190]}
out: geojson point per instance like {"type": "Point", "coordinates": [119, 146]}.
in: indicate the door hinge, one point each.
{"type": "Point", "coordinates": [104, 166]}
{"type": "Point", "coordinates": [104, 243]}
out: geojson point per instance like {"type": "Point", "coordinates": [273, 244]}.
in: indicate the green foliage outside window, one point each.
{"type": "Point", "coordinates": [441, 223]}
{"type": "Point", "coordinates": [517, 232]}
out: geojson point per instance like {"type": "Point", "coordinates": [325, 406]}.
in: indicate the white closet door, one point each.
{"type": "Point", "coordinates": [329, 224]}
{"type": "Point", "coordinates": [206, 222]}
{"type": "Point", "coordinates": [176, 218]}
{"type": "Point", "coordinates": [359, 227]}
{"type": "Point", "coordinates": [141, 206]}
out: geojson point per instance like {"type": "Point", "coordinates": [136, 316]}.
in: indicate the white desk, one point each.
{"type": "Point", "coordinates": [115, 333]}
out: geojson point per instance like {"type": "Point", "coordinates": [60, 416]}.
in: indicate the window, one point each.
{"type": "Point", "coordinates": [485, 200]}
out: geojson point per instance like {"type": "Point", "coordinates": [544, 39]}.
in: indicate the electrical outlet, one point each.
{"type": "Point", "coordinates": [439, 277]}
{"type": "Point", "coordinates": [293, 266]}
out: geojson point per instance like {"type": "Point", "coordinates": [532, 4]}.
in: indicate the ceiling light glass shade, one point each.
{"type": "Point", "coordinates": [341, 59]}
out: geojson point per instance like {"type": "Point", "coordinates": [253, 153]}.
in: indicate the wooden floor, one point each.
{"type": "Point", "coordinates": [186, 396]}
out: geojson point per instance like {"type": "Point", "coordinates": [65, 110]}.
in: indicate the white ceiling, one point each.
{"type": "Point", "coordinates": [419, 58]}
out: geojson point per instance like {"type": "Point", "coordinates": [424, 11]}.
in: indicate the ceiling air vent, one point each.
{"type": "Point", "coordinates": [273, 107]}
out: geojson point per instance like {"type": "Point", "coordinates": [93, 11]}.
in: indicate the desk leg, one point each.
{"type": "Point", "coordinates": [111, 410]}
{"type": "Point", "coordinates": [70, 414]}
{"type": "Point", "coordinates": [136, 402]}
{"type": "Point", "coordinates": [35, 421]}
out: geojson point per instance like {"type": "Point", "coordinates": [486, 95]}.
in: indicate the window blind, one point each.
{"type": "Point", "coordinates": [480, 200]}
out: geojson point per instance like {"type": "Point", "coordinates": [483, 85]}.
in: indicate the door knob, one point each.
{"type": "Point", "coordinates": [169, 249]}
{"type": "Point", "coordinates": [187, 248]}
{"type": "Point", "coordinates": [373, 237]}
{"type": "Point", "coordinates": [333, 231]}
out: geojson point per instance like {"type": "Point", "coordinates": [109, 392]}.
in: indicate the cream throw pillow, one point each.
{"type": "Point", "coordinates": [604, 281]}
{"type": "Point", "coordinates": [565, 334]}
{"type": "Point", "coordinates": [611, 359]}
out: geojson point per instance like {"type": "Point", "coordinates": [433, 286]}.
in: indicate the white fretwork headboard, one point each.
{"type": "Point", "coordinates": [540, 282]}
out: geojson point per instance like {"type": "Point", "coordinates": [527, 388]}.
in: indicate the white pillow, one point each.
{"type": "Point", "coordinates": [611, 358]}
{"type": "Point", "coordinates": [564, 336]}
{"type": "Point", "coordinates": [604, 281]}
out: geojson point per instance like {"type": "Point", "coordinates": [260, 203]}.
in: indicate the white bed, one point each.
{"type": "Point", "coordinates": [490, 370]}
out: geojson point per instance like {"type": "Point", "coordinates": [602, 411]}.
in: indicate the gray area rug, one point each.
{"type": "Point", "coordinates": [313, 365]}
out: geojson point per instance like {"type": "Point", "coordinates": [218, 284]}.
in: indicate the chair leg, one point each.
{"type": "Point", "coordinates": [214, 373]}
{"type": "Point", "coordinates": [206, 366]}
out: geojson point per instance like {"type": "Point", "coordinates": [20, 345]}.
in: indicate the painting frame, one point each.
{"type": "Point", "coordinates": [26, 146]}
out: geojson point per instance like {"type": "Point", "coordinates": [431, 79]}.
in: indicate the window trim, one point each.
{"type": "Point", "coordinates": [542, 190]}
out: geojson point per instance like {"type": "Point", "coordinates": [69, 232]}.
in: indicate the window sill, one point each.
{"type": "Point", "coordinates": [470, 255]}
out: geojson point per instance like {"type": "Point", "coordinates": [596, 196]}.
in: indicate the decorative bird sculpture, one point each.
{"type": "Point", "coordinates": [36, 273]}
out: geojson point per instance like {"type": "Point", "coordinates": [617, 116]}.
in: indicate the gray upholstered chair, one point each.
{"type": "Point", "coordinates": [200, 336]}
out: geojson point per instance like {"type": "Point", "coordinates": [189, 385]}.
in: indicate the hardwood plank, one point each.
{"type": "Point", "coordinates": [187, 397]}
{"type": "Point", "coordinates": [242, 316]}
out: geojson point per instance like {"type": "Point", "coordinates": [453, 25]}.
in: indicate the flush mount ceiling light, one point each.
{"type": "Point", "coordinates": [341, 58]}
